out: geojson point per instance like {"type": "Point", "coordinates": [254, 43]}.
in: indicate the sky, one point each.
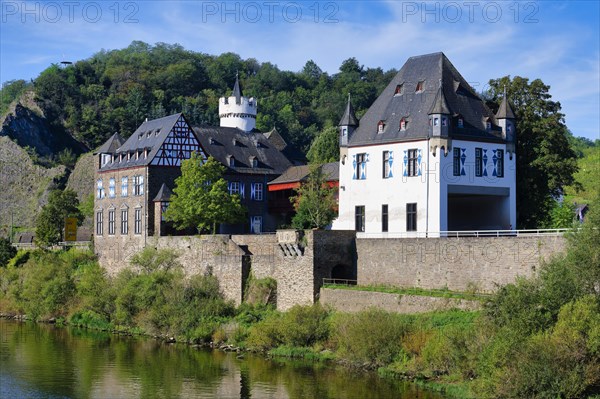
{"type": "Point", "coordinates": [555, 41]}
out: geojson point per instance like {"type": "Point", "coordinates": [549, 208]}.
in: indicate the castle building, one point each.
{"type": "Point", "coordinates": [427, 157]}
{"type": "Point", "coordinates": [135, 177]}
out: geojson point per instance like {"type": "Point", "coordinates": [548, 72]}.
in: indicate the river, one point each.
{"type": "Point", "coordinates": [44, 361]}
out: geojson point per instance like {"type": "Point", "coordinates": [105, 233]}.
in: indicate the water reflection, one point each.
{"type": "Point", "coordinates": [42, 361]}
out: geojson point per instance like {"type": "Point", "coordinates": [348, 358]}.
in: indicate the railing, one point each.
{"type": "Point", "coordinates": [62, 244]}
{"type": "Point", "coordinates": [339, 281]}
{"type": "Point", "coordinates": [467, 233]}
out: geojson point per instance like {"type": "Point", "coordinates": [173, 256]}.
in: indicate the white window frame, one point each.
{"type": "Point", "coordinates": [234, 188]}
{"type": "Point", "coordinates": [125, 221]}
{"type": "Point", "coordinates": [254, 219]}
{"type": "Point", "coordinates": [99, 189]}
{"type": "Point", "coordinates": [112, 216]}
{"type": "Point", "coordinates": [137, 221]}
{"type": "Point", "coordinates": [112, 183]}
{"type": "Point", "coordinates": [99, 222]}
{"type": "Point", "coordinates": [256, 191]}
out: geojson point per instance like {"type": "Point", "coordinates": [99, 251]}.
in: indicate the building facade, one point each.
{"type": "Point", "coordinates": [428, 157]}
{"type": "Point", "coordinates": [135, 178]}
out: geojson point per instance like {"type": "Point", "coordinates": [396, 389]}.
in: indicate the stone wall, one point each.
{"type": "Point", "coordinates": [356, 301]}
{"type": "Point", "coordinates": [458, 264]}
{"type": "Point", "coordinates": [216, 255]}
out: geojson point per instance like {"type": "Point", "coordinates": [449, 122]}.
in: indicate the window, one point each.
{"type": "Point", "coordinates": [411, 217]}
{"type": "Point", "coordinates": [488, 126]}
{"type": "Point", "coordinates": [412, 162]}
{"type": "Point", "coordinates": [256, 224]}
{"type": "Point", "coordinates": [231, 162]}
{"type": "Point", "coordinates": [234, 187]}
{"type": "Point", "coordinates": [444, 121]}
{"type": "Point", "coordinates": [124, 186]}
{"type": "Point", "coordinates": [403, 124]}
{"type": "Point", "coordinates": [138, 221]}
{"type": "Point", "coordinates": [111, 222]}
{"type": "Point", "coordinates": [436, 121]}
{"type": "Point", "coordinates": [256, 191]}
{"type": "Point", "coordinates": [500, 163]}
{"type": "Point", "coordinates": [420, 86]}
{"type": "Point", "coordinates": [387, 164]}
{"type": "Point", "coordinates": [384, 218]}
{"type": "Point", "coordinates": [359, 218]}
{"type": "Point", "coordinates": [344, 132]}
{"type": "Point", "coordinates": [111, 188]}
{"type": "Point", "coordinates": [398, 90]}
{"type": "Point", "coordinates": [163, 208]}
{"type": "Point", "coordinates": [478, 162]}
{"type": "Point", "coordinates": [380, 126]}
{"type": "Point", "coordinates": [254, 162]}
{"type": "Point", "coordinates": [99, 221]}
{"type": "Point", "coordinates": [461, 123]}
{"type": "Point", "coordinates": [456, 162]}
{"type": "Point", "coordinates": [99, 189]}
{"type": "Point", "coordinates": [361, 166]}
{"type": "Point", "coordinates": [138, 185]}
{"type": "Point", "coordinates": [124, 221]}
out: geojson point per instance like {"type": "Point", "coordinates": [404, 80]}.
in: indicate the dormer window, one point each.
{"type": "Point", "coordinates": [231, 162]}
{"type": "Point", "coordinates": [235, 142]}
{"type": "Point", "coordinates": [254, 162]}
{"type": "Point", "coordinates": [488, 125]}
{"type": "Point", "coordinates": [398, 90]}
{"type": "Point", "coordinates": [211, 141]}
{"type": "Point", "coordinates": [403, 123]}
{"type": "Point", "coordinates": [461, 123]}
{"type": "Point", "coordinates": [420, 86]}
{"type": "Point", "coordinates": [380, 126]}
{"type": "Point", "coordinates": [140, 135]}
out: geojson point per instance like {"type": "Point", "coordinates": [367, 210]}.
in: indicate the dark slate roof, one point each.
{"type": "Point", "coordinates": [111, 145]}
{"type": "Point", "coordinates": [291, 153]}
{"type": "Point", "coordinates": [505, 111]}
{"type": "Point", "coordinates": [224, 142]}
{"type": "Point", "coordinates": [300, 173]}
{"type": "Point", "coordinates": [148, 136]}
{"type": "Point", "coordinates": [349, 118]}
{"type": "Point", "coordinates": [461, 100]}
{"type": "Point", "coordinates": [164, 194]}
{"type": "Point", "coordinates": [439, 106]}
{"type": "Point", "coordinates": [237, 90]}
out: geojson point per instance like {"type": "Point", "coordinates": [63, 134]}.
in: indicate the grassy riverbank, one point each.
{"type": "Point", "coordinates": [537, 338]}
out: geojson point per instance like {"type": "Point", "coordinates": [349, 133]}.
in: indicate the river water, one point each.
{"type": "Point", "coordinates": [44, 361]}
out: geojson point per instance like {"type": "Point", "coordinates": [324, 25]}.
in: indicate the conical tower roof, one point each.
{"type": "Point", "coordinates": [505, 111]}
{"type": "Point", "coordinates": [164, 194]}
{"type": "Point", "coordinates": [439, 106]}
{"type": "Point", "coordinates": [349, 118]}
{"type": "Point", "coordinates": [237, 90]}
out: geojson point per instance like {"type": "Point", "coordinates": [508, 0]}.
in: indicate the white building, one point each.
{"type": "Point", "coordinates": [427, 157]}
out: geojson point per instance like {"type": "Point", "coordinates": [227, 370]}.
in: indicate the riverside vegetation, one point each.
{"type": "Point", "coordinates": [536, 338]}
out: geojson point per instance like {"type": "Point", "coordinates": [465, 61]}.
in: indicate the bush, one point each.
{"type": "Point", "coordinates": [20, 258]}
{"type": "Point", "coordinates": [372, 337]}
{"type": "Point", "coordinates": [7, 251]}
{"type": "Point", "coordinates": [305, 325]}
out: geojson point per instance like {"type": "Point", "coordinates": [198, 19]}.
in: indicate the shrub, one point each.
{"type": "Point", "coordinates": [19, 259]}
{"type": "Point", "coordinates": [372, 337]}
{"type": "Point", "coordinates": [7, 251]}
{"type": "Point", "coordinates": [305, 325]}
{"type": "Point", "coordinates": [151, 259]}
{"type": "Point", "coordinates": [266, 334]}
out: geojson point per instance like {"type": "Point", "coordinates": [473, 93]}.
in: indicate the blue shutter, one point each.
{"type": "Point", "coordinates": [405, 173]}
{"type": "Point", "coordinates": [242, 190]}
{"type": "Point", "coordinates": [391, 162]}
{"type": "Point", "coordinates": [485, 158]}
{"type": "Point", "coordinates": [495, 160]}
{"type": "Point", "coordinates": [353, 167]}
{"type": "Point", "coordinates": [419, 158]}
{"type": "Point", "coordinates": [463, 158]}
{"type": "Point", "coordinates": [252, 191]}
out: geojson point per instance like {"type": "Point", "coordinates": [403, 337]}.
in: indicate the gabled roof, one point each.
{"type": "Point", "coordinates": [149, 136]}
{"type": "Point", "coordinates": [164, 194]}
{"type": "Point", "coordinates": [237, 90]}
{"type": "Point", "coordinates": [296, 174]}
{"type": "Point", "coordinates": [460, 98]}
{"type": "Point", "coordinates": [505, 111]}
{"type": "Point", "coordinates": [291, 153]}
{"type": "Point", "coordinates": [111, 145]}
{"type": "Point", "coordinates": [222, 143]}
{"type": "Point", "coordinates": [349, 118]}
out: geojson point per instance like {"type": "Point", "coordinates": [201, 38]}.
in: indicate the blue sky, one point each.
{"type": "Point", "coordinates": [556, 41]}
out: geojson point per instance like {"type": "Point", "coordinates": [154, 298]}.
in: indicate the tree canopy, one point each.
{"type": "Point", "coordinates": [51, 220]}
{"type": "Point", "coordinates": [118, 89]}
{"type": "Point", "coordinates": [201, 197]}
{"type": "Point", "coordinates": [315, 202]}
{"type": "Point", "coordinates": [545, 160]}
{"type": "Point", "coordinates": [325, 147]}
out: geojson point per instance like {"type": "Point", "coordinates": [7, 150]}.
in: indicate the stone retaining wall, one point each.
{"type": "Point", "coordinates": [355, 301]}
{"type": "Point", "coordinates": [459, 264]}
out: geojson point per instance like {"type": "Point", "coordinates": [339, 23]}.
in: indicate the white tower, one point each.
{"type": "Point", "coordinates": [237, 110]}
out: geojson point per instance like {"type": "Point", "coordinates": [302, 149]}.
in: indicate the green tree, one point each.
{"type": "Point", "coordinates": [51, 220]}
{"type": "Point", "coordinates": [545, 160]}
{"type": "Point", "coordinates": [7, 251]}
{"type": "Point", "coordinates": [201, 198]}
{"type": "Point", "coordinates": [326, 147]}
{"type": "Point", "coordinates": [315, 202]}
